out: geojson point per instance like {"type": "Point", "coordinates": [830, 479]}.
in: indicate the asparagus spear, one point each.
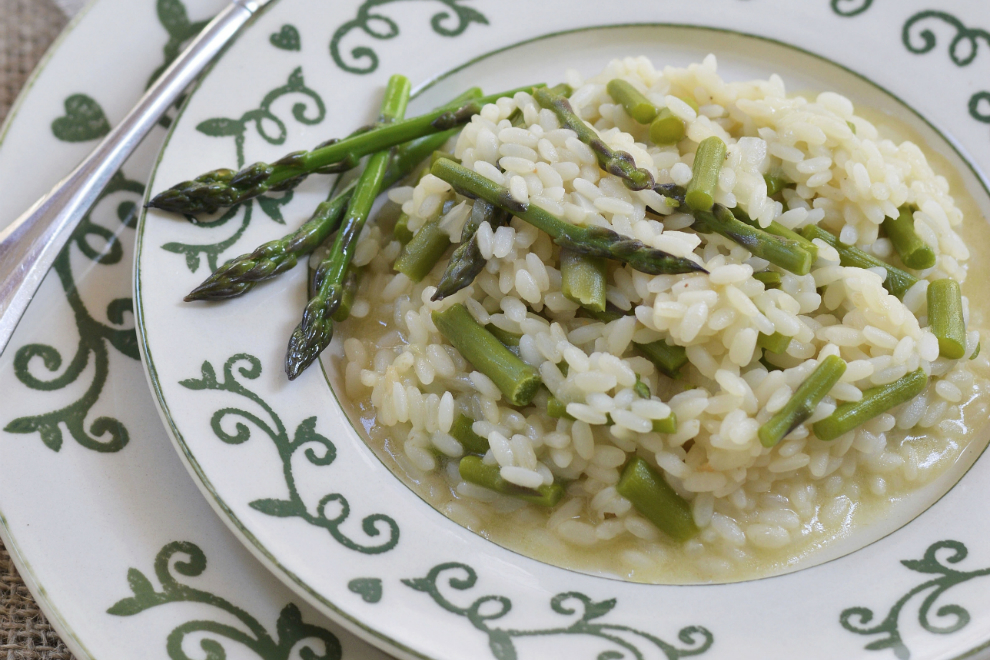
{"type": "Point", "coordinates": [704, 178]}
{"type": "Point", "coordinates": [775, 343]}
{"type": "Point", "coordinates": [517, 380]}
{"type": "Point", "coordinates": [775, 183]}
{"type": "Point", "coordinates": [506, 338]}
{"type": "Point", "coordinates": [875, 401]}
{"type": "Point", "coordinates": [619, 163]}
{"type": "Point", "coordinates": [636, 105]}
{"type": "Point", "coordinates": [897, 281]}
{"type": "Point", "coordinates": [945, 315]}
{"type": "Point", "coordinates": [656, 500]}
{"type": "Point", "coordinates": [667, 128]}
{"type": "Point", "coordinates": [466, 262]}
{"type": "Point", "coordinates": [315, 330]}
{"type": "Point", "coordinates": [220, 188]}
{"type": "Point", "coordinates": [349, 292]}
{"type": "Point", "coordinates": [778, 229]}
{"type": "Point", "coordinates": [771, 279]}
{"type": "Point", "coordinates": [593, 241]}
{"type": "Point", "coordinates": [474, 470]}
{"type": "Point", "coordinates": [914, 252]}
{"type": "Point", "coordinates": [583, 279]}
{"type": "Point", "coordinates": [786, 253]}
{"type": "Point", "coordinates": [241, 274]}
{"type": "Point", "coordinates": [802, 404]}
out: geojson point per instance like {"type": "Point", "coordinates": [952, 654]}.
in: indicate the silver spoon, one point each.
{"type": "Point", "coordinates": [29, 245]}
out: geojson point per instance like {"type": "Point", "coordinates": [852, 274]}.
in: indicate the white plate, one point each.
{"type": "Point", "coordinates": [92, 495]}
{"type": "Point", "coordinates": [244, 431]}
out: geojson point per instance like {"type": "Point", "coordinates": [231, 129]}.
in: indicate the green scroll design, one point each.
{"type": "Point", "coordinates": [174, 18]}
{"type": "Point", "coordinates": [627, 643]}
{"type": "Point", "coordinates": [332, 510]}
{"type": "Point", "coordinates": [381, 27]}
{"type": "Point", "coordinates": [850, 8]}
{"type": "Point", "coordinates": [101, 246]}
{"type": "Point", "coordinates": [963, 49]}
{"type": "Point", "coordinates": [310, 111]}
{"type": "Point", "coordinates": [950, 618]}
{"type": "Point", "coordinates": [294, 638]}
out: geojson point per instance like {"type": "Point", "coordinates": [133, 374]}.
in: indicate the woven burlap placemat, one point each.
{"type": "Point", "coordinates": [27, 28]}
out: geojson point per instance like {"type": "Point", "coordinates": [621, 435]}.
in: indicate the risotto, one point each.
{"type": "Point", "coordinates": [770, 405]}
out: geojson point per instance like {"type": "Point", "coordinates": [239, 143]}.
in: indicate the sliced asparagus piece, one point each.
{"type": "Point", "coordinates": [462, 430]}
{"type": "Point", "coordinates": [467, 262]}
{"type": "Point", "coordinates": [422, 253]}
{"type": "Point", "coordinates": [517, 380]}
{"type": "Point", "coordinates": [802, 404]}
{"type": "Point", "coordinates": [473, 470]}
{"type": "Point", "coordinates": [913, 251]}
{"type": "Point", "coordinates": [656, 500]}
{"type": "Point", "coordinates": [241, 274]}
{"type": "Point", "coordinates": [771, 279]}
{"type": "Point", "coordinates": [315, 330]}
{"type": "Point", "coordinates": [667, 128]}
{"type": "Point", "coordinates": [778, 229]}
{"type": "Point", "coordinates": [775, 343]}
{"type": "Point", "coordinates": [669, 359]}
{"type": "Point", "coordinates": [583, 279]}
{"type": "Point", "coordinates": [704, 178]}
{"type": "Point", "coordinates": [619, 163]}
{"type": "Point", "coordinates": [504, 336]}
{"type": "Point", "coordinates": [897, 281]}
{"type": "Point", "coordinates": [632, 100]}
{"type": "Point", "coordinates": [945, 316]}
{"type": "Point", "coordinates": [666, 425]}
{"type": "Point", "coordinates": [785, 253]}
{"type": "Point", "coordinates": [221, 188]}
{"type": "Point", "coordinates": [875, 401]}
{"type": "Point", "coordinates": [593, 241]}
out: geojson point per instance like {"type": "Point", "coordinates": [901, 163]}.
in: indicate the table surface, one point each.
{"type": "Point", "coordinates": [27, 28]}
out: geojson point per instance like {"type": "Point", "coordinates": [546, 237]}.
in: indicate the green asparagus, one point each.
{"type": "Point", "coordinates": [802, 404]}
{"type": "Point", "coordinates": [619, 163]}
{"type": "Point", "coordinates": [632, 100]}
{"type": "Point", "coordinates": [506, 338]}
{"type": "Point", "coordinates": [913, 251]}
{"type": "Point", "coordinates": [473, 470]}
{"type": "Point", "coordinates": [583, 279]}
{"type": "Point", "coordinates": [656, 500]}
{"type": "Point", "coordinates": [641, 389]}
{"type": "Point", "coordinates": [517, 380]}
{"type": "Point", "coordinates": [775, 183]}
{"type": "Point", "coordinates": [897, 281]}
{"type": "Point", "coordinates": [704, 178]}
{"type": "Point", "coordinates": [557, 408]}
{"type": "Point", "coordinates": [771, 279]}
{"type": "Point", "coordinates": [422, 253]}
{"type": "Point", "coordinates": [875, 401]}
{"type": "Point", "coordinates": [786, 253]}
{"type": "Point", "coordinates": [593, 240]}
{"type": "Point", "coordinates": [778, 229]}
{"type": "Point", "coordinates": [349, 288]}
{"type": "Point", "coordinates": [669, 359]}
{"type": "Point", "coordinates": [242, 273]}
{"type": "Point", "coordinates": [667, 128]}
{"type": "Point", "coordinates": [466, 262]}
{"type": "Point", "coordinates": [945, 316]}
{"type": "Point", "coordinates": [315, 330]}
{"type": "Point", "coordinates": [221, 188]}
{"type": "Point", "coordinates": [462, 430]}
{"type": "Point", "coordinates": [775, 343]}
{"type": "Point", "coordinates": [666, 425]}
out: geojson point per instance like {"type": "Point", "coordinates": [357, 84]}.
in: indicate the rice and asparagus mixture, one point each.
{"type": "Point", "coordinates": [793, 343]}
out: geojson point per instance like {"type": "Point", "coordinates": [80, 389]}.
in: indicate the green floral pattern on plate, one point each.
{"type": "Point", "coordinates": [627, 643]}
{"type": "Point", "coordinates": [381, 27]}
{"type": "Point", "coordinates": [262, 119]}
{"type": "Point", "coordinates": [319, 451]}
{"type": "Point", "coordinates": [857, 619]}
{"type": "Point", "coordinates": [293, 638]}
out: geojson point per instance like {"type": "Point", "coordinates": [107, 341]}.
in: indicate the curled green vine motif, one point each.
{"type": "Point", "coordinates": [850, 7]}
{"type": "Point", "coordinates": [954, 617]}
{"type": "Point", "coordinates": [964, 35]}
{"type": "Point", "coordinates": [332, 510]}
{"type": "Point", "coordinates": [272, 129]}
{"type": "Point", "coordinates": [626, 643]}
{"type": "Point", "coordinates": [975, 107]}
{"type": "Point", "coordinates": [294, 638]}
{"type": "Point", "coordinates": [172, 16]}
{"type": "Point", "coordinates": [450, 23]}
{"type": "Point", "coordinates": [102, 246]}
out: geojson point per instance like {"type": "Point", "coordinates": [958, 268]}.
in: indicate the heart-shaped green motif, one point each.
{"type": "Point", "coordinates": [370, 589]}
{"type": "Point", "coordinates": [287, 38]}
{"type": "Point", "coordinates": [83, 121]}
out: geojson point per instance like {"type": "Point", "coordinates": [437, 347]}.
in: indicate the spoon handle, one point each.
{"type": "Point", "coordinates": [29, 245]}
